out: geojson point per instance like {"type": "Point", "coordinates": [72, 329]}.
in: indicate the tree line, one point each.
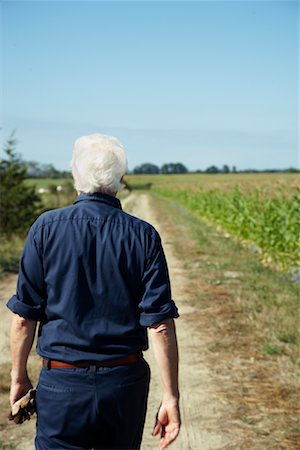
{"type": "Point", "coordinates": [35, 169]}
{"type": "Point", "coordinates": [149, 168]}
{"type": "Point", "coordinates": [177, 168]}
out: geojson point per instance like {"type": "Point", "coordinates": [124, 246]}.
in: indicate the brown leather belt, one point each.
{"type": "Point", "coordinates": [51, 364]}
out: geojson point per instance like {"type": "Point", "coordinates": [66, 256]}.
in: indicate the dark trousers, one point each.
{"type": "Point", "coordinates": [82, 409]}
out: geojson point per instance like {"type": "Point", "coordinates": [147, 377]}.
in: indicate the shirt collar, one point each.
{"type": "Point", "coordinates": [99, 197]}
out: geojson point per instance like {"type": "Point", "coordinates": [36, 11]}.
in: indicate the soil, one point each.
{"type": "Point", "coordinates": [208, 420]}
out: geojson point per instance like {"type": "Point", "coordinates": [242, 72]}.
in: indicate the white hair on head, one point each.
{"type": "Point", "coordinates": [98, 164]}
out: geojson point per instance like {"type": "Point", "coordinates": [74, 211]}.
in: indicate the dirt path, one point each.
{"type": "Point", "coordinates": [7, 288]}
{"type": "Point", "coordinates": [208, 422]}
{"type": "Point", "coordinates": [200, 407]}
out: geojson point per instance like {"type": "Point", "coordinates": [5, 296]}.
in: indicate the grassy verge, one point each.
{"type": "Point", "coordinates": [251, 315]}
{"type": "Point", "coordinates": [10, 252]}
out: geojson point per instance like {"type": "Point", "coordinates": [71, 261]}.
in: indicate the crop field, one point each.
{"type": "Point", "coordinates": [261, 209]}
{"type": "Point", "coordinates": [269, 182]}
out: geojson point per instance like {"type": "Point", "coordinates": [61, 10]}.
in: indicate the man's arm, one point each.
{"type": "Point", "coordinates": [163, 337]}
{"type": "Point", "coordinates": [21, 340]}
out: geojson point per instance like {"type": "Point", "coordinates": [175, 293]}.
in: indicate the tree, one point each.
{"type": "Point", "coordinates": [146, 168]}
{"type": "Point", "coordinates": [292, 170]}
{"type": "Point", "coordinates": [18, 203]}
{"type": "Point", "coordinates": [49, 171]}
{"type": "Point", "coordinates": [173, 168]}
{"type": "Point", "coordinates": [212, 169]}
{"type": "Point", "coordinates": [225, 168]}
{"type": "Point", "coordinates": [38, 170]}
{"type": "Point", "coordinates": [34, 169]}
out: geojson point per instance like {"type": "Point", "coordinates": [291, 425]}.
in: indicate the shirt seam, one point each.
{"type": "Point", "coordinates": [150, 231]}
{"type": "Point", "coordinates": [98, 219]}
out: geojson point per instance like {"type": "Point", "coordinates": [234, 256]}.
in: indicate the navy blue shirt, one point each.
{"type": "Point", "coordinates": [95, 277]}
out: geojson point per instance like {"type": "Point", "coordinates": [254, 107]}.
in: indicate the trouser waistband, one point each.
{"type": "Point", "coordinates": [52, 364]}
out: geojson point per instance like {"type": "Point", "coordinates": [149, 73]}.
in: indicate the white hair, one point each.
{"type": "Point", "coordinates": [98, 164]}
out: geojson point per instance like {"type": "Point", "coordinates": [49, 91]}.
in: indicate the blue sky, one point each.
{"type": "Point", "coordinates": [201, 82]}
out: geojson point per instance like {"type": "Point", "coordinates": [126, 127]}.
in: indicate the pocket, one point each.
{"type": "Point", "coordinates": [130, 398]}
{"type": "Point", "coordinates": [52, 403]}
{"type": "Point", "coordinates": [136, 375]}
{"type": "Point", "coordinates": [135, 384]}
{"type": "Point", "coordinates": [62, 408]}
{"type": "Point", "coordinates": [56, 382]}
{"type": "Point", "coordinates": [55, 388]}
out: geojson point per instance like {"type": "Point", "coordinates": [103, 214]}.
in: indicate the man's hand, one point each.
{"type": "Point", "coordinates": [167, 423]}
{"type": "Point", "coordinates": [23, 408]}
{"type": "Point", "coordinates": [19, 388]}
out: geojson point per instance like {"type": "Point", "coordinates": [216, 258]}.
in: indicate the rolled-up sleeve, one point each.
{"type": "Point", "coordinates": [29, 300]}
{"type": "Point", "coordinates": [156, 304]}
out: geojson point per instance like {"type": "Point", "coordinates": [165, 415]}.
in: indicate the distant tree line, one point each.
{"type": "Point", "coordinates": [148, 168]}
{"type": "Point", "coordinates": [37, 170]}
{"type": "Point", "coordinates": [173, 168]}
{"type": "Point", "coordinates": [227, 169]}
{"type": "Point", "coordinates": [34, 169]}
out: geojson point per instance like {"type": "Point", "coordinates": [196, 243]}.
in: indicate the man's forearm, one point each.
{"type": "Point", "coordinates": [163, 337]}
{"type": "Point", "coordinates": [21, 340]}
{"type": "Point", "coordinates": [167, 424]}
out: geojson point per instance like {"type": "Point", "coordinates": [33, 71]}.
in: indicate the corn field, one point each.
{"type": "Point", "coordinates": [270, 222]}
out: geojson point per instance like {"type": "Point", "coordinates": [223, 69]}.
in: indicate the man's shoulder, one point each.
{"type": "Point", "coordinates": [53, 215]}
{"type": "Point", "coordinates": [136, 222]}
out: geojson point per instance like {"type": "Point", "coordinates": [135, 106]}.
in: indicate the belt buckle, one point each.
{"type": "Point", "coordinates": [93, 368]}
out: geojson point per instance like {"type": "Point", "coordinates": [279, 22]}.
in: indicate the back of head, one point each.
{"type": "Point", "coordinates": [98, 164]}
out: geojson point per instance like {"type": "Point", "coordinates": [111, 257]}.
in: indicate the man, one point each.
{"type": "Point", "coordinates": [95, 278]}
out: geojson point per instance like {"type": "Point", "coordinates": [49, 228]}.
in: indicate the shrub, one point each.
{"type": "Point", "coordinates": [19, 204]}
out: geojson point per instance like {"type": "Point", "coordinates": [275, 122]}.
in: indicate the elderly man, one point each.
{"type": "Point", "coordinates": [95, 278]}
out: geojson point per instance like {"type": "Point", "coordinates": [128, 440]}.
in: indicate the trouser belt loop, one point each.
{"type": "Point", "coordinates": [46, 363]}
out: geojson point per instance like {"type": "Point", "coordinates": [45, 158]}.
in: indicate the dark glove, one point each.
{"type": "Point", "coordinates": [24, 408]}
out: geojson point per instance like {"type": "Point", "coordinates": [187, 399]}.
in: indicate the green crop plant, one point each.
{"type": "Point", "coordinates": [271, 222]}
